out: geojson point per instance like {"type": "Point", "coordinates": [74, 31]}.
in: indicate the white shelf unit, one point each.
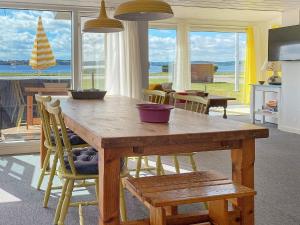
{"type": "Point", "coordinates": [258, 100]}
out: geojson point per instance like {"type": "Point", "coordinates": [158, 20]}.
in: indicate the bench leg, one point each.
{"type": "Point", "coordinates": [218, 212]}
{"type": "Point", "coordinates": [157, 216]}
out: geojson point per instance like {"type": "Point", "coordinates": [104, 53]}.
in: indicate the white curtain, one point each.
{"type": "Point", "coordinates": [182, 74]}
{"type": "Point", "coordinates": [123, 74]}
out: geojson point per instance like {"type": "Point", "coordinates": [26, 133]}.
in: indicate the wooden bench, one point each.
{"type": "Point", "coordinates": [162, 195]}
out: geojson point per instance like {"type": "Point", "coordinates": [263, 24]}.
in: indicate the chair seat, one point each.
{"type": "Point", "coordinates": [73, 137]}
{"type": "Point", "coordinates": [185, 188]}
{"type": "Point", "coordinates": [86, 161]}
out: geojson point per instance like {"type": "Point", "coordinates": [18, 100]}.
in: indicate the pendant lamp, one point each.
{"type": "Point", "coordinates": [143, 10]}
{"type": "Point", "coordinates": [103, 24]}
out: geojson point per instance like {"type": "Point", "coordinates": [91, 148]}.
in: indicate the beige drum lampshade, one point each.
{"type": "Point", "coordinates": [103, 24]}
{"type": "Point", "coordinates": [144, 10]}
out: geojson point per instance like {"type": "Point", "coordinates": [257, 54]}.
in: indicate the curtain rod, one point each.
{"type": "Point", "coordinates": [46, 6]}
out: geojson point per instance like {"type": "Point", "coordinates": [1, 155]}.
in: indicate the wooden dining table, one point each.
{"type": "Point", "coordinates": [113, 127]}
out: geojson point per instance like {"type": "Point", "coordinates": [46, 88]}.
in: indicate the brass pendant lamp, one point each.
{"type": "Point", "coordinates": [103, 24]}
{"type": "Point", "coordinates": [143, 10]}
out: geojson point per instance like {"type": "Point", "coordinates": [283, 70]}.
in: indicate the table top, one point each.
{"type": "Point", "coordinates": [45, 89]}
{"type": "Point", "coordinates": [114, 122]}
{"type": "Point", "coordinates": [218, 97]}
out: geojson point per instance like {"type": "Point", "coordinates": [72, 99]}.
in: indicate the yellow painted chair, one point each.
{"type": "Point", "coordinates": [195, 104]}
{"type": "Point", "coordinates": [72, 171]}
{"type": "Point", "coordinates": [158, 97]}
{"type": "Point", "coordinates": [47, 169]}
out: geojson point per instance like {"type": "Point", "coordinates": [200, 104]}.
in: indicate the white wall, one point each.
{"type": "Point", "coordinates": [290, 107]}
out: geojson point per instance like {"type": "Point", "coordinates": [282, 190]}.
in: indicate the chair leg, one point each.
{"type": "Point", "coordinates": [81, 219]}
{"type": "Point", "coordinates": [122, 203]}
{"type": "Point", "coordinates": [159, 167]}
{"type": "Point", "coordinates": [44, 169]}
{"type": "Point", "coordinates": [66, 203]}
{"type": "Point", "coordinates": [50, 182]}
{"type": "Point", "coordinates": [176, 164]}
{"type": "Point", "coordinates": [146, 161]}
{"type": "Point", "coordinates": [60, 202]}
{"type": "Point", "coordinates": [97, 188]}
{"type": "Point", "coordinates": [193, 163]}
{"type": "Point", "coordinates": [138, 167]}
{"type": "Point", "coordinates": [20, 115]}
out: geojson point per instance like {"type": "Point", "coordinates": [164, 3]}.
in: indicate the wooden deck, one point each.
{"type": "Point", "coordinates": [21, 134]}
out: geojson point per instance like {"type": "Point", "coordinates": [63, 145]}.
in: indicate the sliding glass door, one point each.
{"type": "Point", "coordinates": [162, 55]}
{"type": "Point", "coordinates": [217, 62]}
{"type": "Point", "coordinates": [93, 59]}
{"type": "Point", "coordinates": [35, 52]}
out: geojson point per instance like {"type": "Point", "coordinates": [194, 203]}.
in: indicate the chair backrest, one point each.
{"type": "Point", "coordinates": [41, 101]}
{"type": "Point", "coordinates": [192, 103]}
{"type": "Point", "coordinates": [155, 96]}
{"type": "Point", "coordinates": [58, 127]}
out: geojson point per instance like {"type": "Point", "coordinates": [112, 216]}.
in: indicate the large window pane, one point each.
{"type": "Point", "coordinates": [162, 53]}
{"type": "Point", "coordinates": [18, 33]}
{"type": "Point", "coordinates": [213, 62]}
{"type": "Point", "coordinates": [93, 59]}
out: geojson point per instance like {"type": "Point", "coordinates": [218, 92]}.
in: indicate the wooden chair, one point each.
{"type": "Point", "coordinates": [195, 104]}
{"type": "Point", "coordinates": [71, 171]}
{"type": "Point", "coordinates": [155, 96]}
{"type": "Point", "coordinates": [46, 169]}
{"type": "Point", "coordinates": [162, 194]}
{"type": "Point", "coordinates": [158, 97]}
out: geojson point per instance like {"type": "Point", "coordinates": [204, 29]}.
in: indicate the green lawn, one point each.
{"type": "Point", "coordinates": [217, 88]}
{"type": "Point", "coordinates": [220, 88]}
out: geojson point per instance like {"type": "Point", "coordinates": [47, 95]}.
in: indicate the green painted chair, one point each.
{"type": "Point", "coordinates": [73, 170]}
{"type": "Point", "coordinates": [195, 104]}
{"type": "Point", "coordinates": [47, 169]}
{"type": "Point", "coordinates": [158, 97]}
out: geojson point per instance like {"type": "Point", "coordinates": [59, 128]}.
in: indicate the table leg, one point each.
{"type": "Point", "coordinates": [109, 184]}
{"type": "Point", "coordinates": [43, 149]}
{"type": "Point", "coordinates": [243, 173]}
{"type": "Point", "coordinates": [29, 115]}
{"type": "Point", "coordinates": [225, 112]}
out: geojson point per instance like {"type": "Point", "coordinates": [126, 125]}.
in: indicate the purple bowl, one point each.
{"type": "Point", "coordinates": [154, 113]}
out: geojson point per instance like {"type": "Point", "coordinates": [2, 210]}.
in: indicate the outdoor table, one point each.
{"type": "Point", "coordinates": [214, 101]}
{"type": "Point", "coordinates": [113, 127]}
{"type": "Point", "coordinates": [220, 101]}
{"type": "Point", "coordinates": [31, 91]}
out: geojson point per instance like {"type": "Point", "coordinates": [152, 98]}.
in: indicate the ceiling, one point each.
{"type": "Point", "coordinates": [259, 5]}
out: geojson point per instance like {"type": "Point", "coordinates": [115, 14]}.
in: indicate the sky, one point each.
{"type": "Point", "coordinates": [204, 46]}
{"type": "Point", "coordinates": [18, 29]}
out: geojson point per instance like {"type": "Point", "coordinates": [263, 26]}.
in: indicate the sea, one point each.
{"type": "Point", "coordinates": [63, 69]}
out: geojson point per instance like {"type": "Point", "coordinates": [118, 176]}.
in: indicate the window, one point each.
{"type": "Point", "coordinates": [18, 32]}
{"type": "Point", "coordinates": [162, 54]}
{"type": "Point", "coordinates": [213, 59]}
{"type": "Point", "coordinates": [93, 59]}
